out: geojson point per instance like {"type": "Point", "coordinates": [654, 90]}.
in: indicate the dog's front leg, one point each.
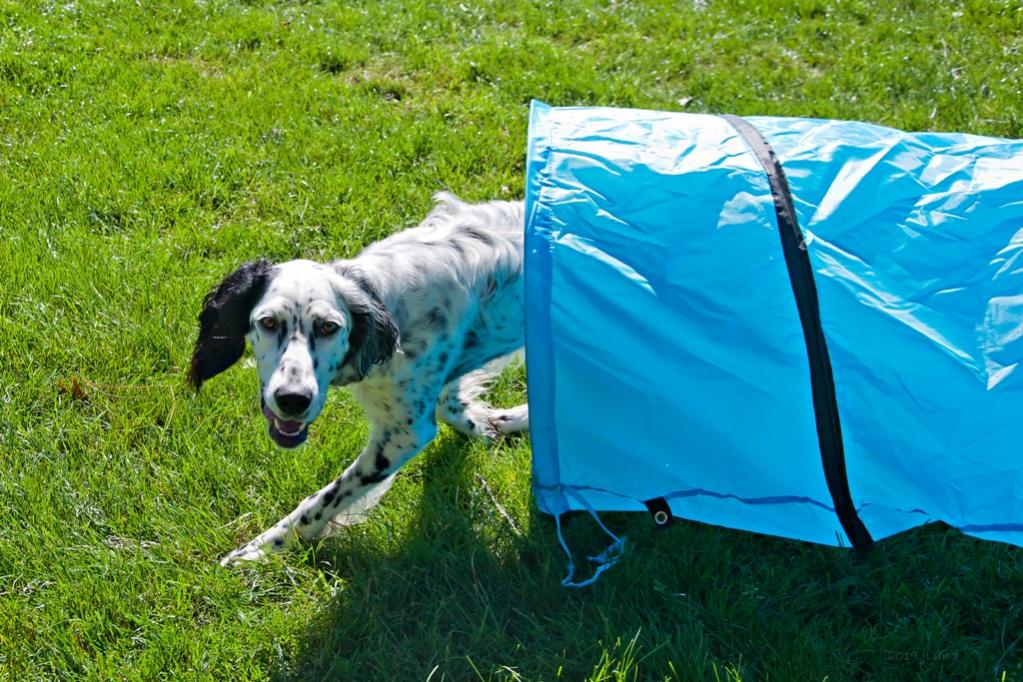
{"type": "Point", "coordinates": [388, 449]}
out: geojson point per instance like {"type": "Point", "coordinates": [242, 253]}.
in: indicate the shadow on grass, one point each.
{"type": "Point", "coordinates": [451, 588]}
{"type": "Point", "coordinates": [455, 594]}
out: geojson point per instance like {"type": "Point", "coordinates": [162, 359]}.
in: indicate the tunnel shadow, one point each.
{"type": "Point", "coordinates": [422, 592]}
{"type": "Point", "coordinates": [451, 591]}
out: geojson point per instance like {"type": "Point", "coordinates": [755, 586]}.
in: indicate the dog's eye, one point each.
{"type": "Point", "coordinates": [268, 323]}
{"type": "Point", "coordinates": [329, 328]}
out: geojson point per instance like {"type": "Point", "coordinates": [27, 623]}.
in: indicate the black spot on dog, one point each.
{"type": "Point", "coordinates": [472, 340]}
{"type": "Point", "coordinates": [382, 463]}
{"type": "Point", "coordinates": [317, 516]}
{"type": "Point", "coordinates": [304, 520]}
{"type": "Point", "coordinates": [282, 334]}
{"type": "Point", "coordinates": [409, 421]}
{"type": "Point", "coordinates": [375, 477]}
{"type": "Point", "coordinates": [413, 348]}
{"type": "Point", "coordinates": [278, 542]}
{"type": "Point", "coordinates": [435, 319]}
{"type": "Point", "coordinates": [332, 490]}
{"type": "Point", "coordinates": [479, 234]}
{"type": "Point", "coordinates": [470, 423]}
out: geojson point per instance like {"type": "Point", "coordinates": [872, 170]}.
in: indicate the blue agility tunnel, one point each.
{"type": "Point", "coordinates": [806, 328]}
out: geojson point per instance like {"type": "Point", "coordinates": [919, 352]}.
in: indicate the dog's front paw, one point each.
{"type": "Point", "coordinates": [244, 553]}
{"type": "Point", "coordinates": [258, 549]}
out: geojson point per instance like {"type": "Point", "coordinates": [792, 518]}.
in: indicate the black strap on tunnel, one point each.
{"type": "Point", "coordinates": [825, 405]}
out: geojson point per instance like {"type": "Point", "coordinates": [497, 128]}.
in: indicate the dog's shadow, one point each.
{"type": "Point", "coordinates": [430, 591]}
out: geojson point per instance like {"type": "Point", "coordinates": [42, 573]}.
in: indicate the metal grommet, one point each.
{"type": "Point", "coordinates": [661, 517]}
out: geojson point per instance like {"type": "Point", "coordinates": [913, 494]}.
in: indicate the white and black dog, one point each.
{"type": "Point", "coordinates": [411, 323]}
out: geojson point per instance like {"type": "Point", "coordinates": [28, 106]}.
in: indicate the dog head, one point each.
{"type": "Point", "coordinates": [309, 325]}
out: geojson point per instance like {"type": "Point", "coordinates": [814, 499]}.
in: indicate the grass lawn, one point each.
{"type": "Point", "coordinates": [148, 148]}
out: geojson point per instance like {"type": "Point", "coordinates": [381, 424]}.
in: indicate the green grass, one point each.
{"type": "Point", "coordinates": [144, 151]}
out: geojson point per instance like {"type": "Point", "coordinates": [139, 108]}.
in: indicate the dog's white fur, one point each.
{"type": "Point", "coordinates": [411, 322]}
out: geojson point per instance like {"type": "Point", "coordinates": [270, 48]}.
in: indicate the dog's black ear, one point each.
{"type": "Point", "coordinates": [374, 334]}
{"type": "Point", "coordinates": [373, 338]}
{"type": "Point", "coordinates": [224, 321]}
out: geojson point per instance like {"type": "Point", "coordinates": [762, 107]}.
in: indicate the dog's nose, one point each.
{"type": "Point", "coordinates": [290, 403]}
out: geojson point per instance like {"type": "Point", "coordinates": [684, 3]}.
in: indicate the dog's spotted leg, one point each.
{"type": "Point", "coordinates": [464, 412]}
{"type": "Point", "coordinates": [388, 449]}
{"type": "Point", "coordinates": [461, 406]}
{"type": "Point", "coordinates": [510, 420]}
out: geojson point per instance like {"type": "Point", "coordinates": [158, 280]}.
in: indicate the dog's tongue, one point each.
{"type": "Point", "coordinates": [287, 433]}
{"type": "Point", "coordinates": [288, 425]}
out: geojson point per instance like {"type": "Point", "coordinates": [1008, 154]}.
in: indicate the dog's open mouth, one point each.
{"type": "Point", "coordinates": [287, 433]}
